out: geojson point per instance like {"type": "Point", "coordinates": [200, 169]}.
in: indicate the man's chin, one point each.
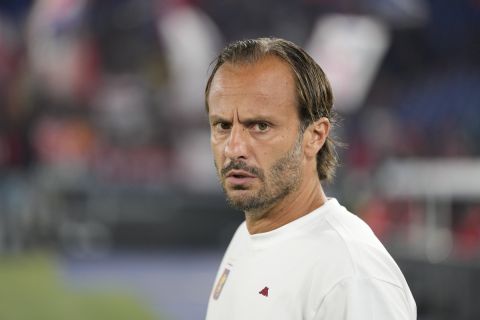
{"type": "Point", "coordinates": [245, 200]}
{"type": "Point", "coordinates": [240, 199]}
{"type": "Point", "coordinates": [239, 205]}
{"type": "Point", "coordinates": [239, 195]}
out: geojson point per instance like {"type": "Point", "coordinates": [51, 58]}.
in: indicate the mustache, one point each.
{"type": "Point", "coordinates": [240, 165]}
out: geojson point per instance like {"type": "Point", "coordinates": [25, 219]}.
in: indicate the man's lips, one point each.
{"type": "Point", "coordinates": [239, 176]}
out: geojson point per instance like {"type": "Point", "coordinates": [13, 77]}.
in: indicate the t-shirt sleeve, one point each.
{"type": "Point", "coordinates": [356, 298]}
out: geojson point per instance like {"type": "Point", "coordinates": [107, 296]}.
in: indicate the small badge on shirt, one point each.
{"type": "Point", "coordinates": [264, 292]}
{"type": "Point", "coordinates": [220, 284]}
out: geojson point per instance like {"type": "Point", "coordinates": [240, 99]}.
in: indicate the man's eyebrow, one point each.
{"type": "Point", "coordinates": [256, 119]}
{"type": "Point", "coordinates": [248, 121]}
{"type": "Point", "coordinates": [217, 118]}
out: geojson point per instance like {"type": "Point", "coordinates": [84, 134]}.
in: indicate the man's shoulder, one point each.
{"type": "Point", "coordinates": [350, 232]}
{"type": "Point", "coordinates": [350, 241]}
{"type": "Point", "coordinates": [339, 228]}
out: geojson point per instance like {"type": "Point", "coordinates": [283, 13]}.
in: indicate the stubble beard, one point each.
{"type": "Point", "coordinates": [283, 178]}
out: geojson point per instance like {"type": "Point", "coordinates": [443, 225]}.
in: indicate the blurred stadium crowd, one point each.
{"type": "Point", "coordinates": [102, 118]}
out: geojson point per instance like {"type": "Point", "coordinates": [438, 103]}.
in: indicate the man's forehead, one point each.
{"type": "Point", "coordinates": [263, 79]}
{"type": "Point", "coordinates": [264, 69]}
{"type": "Point", "coordinates": [227, 112]}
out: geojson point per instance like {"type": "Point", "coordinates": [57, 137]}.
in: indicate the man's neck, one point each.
{"type": "Point", "coordinates": [307, 198]}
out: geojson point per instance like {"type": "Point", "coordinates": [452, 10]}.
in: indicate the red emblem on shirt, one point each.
{"type": "Point", "coordinates": [220, 284]}
{"type": "Point", "coordinates": [264, 292]}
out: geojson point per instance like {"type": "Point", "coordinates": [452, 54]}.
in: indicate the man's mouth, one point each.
{"type": "Point", "coordinates": [240, 174]}
{"type": "Point", "coordinates": [239, 177]}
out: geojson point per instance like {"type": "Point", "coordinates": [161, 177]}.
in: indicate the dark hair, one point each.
{"type": "Point", "coordinates": [314, 93]}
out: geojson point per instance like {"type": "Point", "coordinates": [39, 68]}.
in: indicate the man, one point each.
{"type": "Point", "coordinates": [298, 255]}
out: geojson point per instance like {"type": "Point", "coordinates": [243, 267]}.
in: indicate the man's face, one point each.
{"type": "Point", "coordinates": [255, 133]}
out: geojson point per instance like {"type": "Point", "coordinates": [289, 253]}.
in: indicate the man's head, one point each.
{"type": "Point", "coordinates": [267, 101]}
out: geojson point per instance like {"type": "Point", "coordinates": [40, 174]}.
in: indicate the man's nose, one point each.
{"type": "Point", "coordinates": [237, 143]}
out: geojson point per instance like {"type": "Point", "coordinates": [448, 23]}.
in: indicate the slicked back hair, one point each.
{"type": "Point", "coordinates": [314, 93]}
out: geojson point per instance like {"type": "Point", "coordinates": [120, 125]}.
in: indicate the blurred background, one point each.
{"type": "Point", "coordinates": [109, 204]}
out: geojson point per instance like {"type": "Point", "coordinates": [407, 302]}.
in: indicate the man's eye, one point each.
{"type": "Point", "coordinates": [222, 126]}
{"type": "Point", "coordinates": [261, 126]}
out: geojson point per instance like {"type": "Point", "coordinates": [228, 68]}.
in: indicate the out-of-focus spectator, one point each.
{"type": "Point", "coordinates": [376, 214]}
{"type": "Point", "coordinates": [467, 234]}
{"type": "Point", "coordinates": [61, 142]}
{"type": "Point", "coordinates": [61, 54]}
{"type": "Point", "coordinates": [133, 139]}
{"type": "Point", "coordinates": [191, 40]}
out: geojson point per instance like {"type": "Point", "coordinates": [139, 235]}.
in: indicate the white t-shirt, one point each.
{"type": "Point", "coordinates": [327, 264]}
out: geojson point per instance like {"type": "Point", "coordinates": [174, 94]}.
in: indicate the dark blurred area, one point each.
{"type": "Point", "coordinates": [104, 141]}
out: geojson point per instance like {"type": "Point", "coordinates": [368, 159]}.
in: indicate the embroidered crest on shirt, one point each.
{"type": "Point", "coordinates": [220, 284]}
{"type": "Point", "coordinates": [264, 292]}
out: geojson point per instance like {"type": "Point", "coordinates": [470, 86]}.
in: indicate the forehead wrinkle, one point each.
{"type": "Point", "coordinates": [248, 87]}
{"type": "Point", "coordinates": [243, 111]}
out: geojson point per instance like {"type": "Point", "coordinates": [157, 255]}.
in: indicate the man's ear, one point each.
{"type": "Point", "coordinates": [315, 136]}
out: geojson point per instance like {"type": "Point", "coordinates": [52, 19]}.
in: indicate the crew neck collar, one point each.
{"type": "Point", "coordinates": [264, 239]}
